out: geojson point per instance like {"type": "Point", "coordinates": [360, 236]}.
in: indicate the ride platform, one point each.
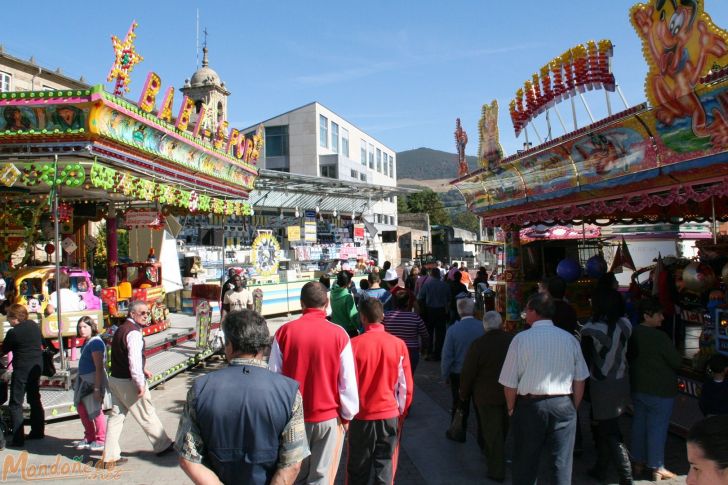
{"type": "Point", "coordinates": [167, 353]}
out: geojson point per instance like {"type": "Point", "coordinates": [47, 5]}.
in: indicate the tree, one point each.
{"type": "Point", "coordinates": [466, 220]}
{"type": "Point", "coordinates": [429, 202]}
{"type": "Point", "coordinates": [100, 253]}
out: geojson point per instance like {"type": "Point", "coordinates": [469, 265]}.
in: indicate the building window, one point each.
{"type": "Point", "coordinates": [385, 161]}
{"type": "Point", "coordinates": [5, 82]}
{"type": "Point", "coordinates": [391, 166]}
{"type": "Point", "coordinates": [371, 156]}
{"type": "Point", "coordinates": [363, 177]}
{"type": "Point", "coordinates": [328, 171]}
{"type": "Point", "coordinates": [345, 142]}
{"type": "Point", "coordinates": [334, 137]}
{"type": "Point", "coordinates": [323, 131]}
{"type": "Point", "coordinates": [363, 152]}
{"type": "Point", "coordinates": [276, 141]}
{"type": "Point", "coordinates": [379, 160]}
{"type": "Point", "coordinates": [354, 174]}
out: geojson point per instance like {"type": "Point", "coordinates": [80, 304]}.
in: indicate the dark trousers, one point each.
{"type": "Point", "coordinates": [25, 381]}
{"type": "Point", "coordinates": [435, 320]}
{"type": "Point", "coordinates": [493, 430]}
{"type": "Point", "coordinates": [414, 355]}
{"type": "Point", "coordinates": [538, 423]}
{"type": "Point", "coordinates": [372, 445]}
{"type": "Point", "coordinates": [610, 447]}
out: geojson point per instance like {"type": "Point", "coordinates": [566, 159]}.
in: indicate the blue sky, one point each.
{"type": "Point", "coordinates": [400, 70]}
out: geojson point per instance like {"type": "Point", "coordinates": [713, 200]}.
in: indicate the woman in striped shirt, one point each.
{"type": "Point", "coordinates": [406, 325]}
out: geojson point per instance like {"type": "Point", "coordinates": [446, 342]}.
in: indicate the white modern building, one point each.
{"type": "Point", "coordinates": [314, 141]}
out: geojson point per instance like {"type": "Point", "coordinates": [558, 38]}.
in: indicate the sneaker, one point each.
{"type": "Point", "coordinates": [95, 446]}
{"type": "Point", "coordinates": [83, 445]}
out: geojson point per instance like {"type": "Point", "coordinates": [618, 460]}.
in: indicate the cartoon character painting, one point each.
{"type": "Point", "coordinates": [490, 151]}
{"type": "Point", "coordinates": [681, 45]}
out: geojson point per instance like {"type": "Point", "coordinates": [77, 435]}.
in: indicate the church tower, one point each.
{"type": "Point", "coordinates": [206, 87]}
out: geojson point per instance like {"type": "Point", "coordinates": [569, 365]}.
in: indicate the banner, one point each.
{"type": "Point", "coordinates": [143, 218]}
{"type": "Point", "coordinates": [293, 233]}
{"type": "Point", "coordinates": [310, 231]}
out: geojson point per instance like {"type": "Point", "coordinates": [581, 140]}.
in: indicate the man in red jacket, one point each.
{"type": "Point", "coordinates": [385, 385]}
{"type": "Point", "coordinates": [317, 353]}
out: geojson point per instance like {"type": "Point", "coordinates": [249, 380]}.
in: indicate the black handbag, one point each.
{"type": "Point", "coordinates": [456, 432]}
{"type": "Point", "coordinates": [49, 367]}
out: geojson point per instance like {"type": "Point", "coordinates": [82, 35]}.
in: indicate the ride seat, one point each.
{"type": "Point", "coordinates": [145, 285]}
{"type": "Point", "coordinates": [124, 290]}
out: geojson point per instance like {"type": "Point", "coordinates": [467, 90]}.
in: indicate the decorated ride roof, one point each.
{"type": "Point", "coordinates": [646, 164]}
{"type": "Point", "coordinates": [104, 141]}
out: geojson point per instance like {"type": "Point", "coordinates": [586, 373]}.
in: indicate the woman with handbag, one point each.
{"type": "Point", "coordinates": [604, 345]}
{"type": "Point", "coordinates": [90, 387]}
{"type": "Point", "coordinates": [25, 342]}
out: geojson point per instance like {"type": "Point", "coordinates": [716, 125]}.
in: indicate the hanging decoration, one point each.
{"type": "Point", "coordinates": [126, 58]}
{"type": "Point", "coordinates": [144, 218]}
{"type": "Point", "coordinates": [65, 213]}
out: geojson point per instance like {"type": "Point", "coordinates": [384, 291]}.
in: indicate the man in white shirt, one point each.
{"type": "Point", "coordinates": [129, 390]}
{"type": "Point", "coordinates": [543, 378]}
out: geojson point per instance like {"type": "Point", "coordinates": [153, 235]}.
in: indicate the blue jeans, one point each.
{"type": "Point", "coordinates": [649, 428]}
{"type": "Point", "coordinates": [543, 423]}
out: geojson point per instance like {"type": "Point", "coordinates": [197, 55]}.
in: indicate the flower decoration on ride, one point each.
{"type": "Point", "coordinates": [73, 175]}
{"type": "Point", "coordinates": [126, 58]}
{"type": "Point", "coordinates": [102, 177]}
{"type": "Point", "coordinates": [65, 213]}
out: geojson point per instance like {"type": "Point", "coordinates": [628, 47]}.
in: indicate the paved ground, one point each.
{"type": "Point", "coordinates": [426, 456]}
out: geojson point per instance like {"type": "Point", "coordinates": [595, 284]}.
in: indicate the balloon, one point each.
{"type": "Point", "coordinates": [569, 270]}
{"type": "Point", "coordinates": [596, 266]}
{"type": "Point", "coordinates": [50, 248]}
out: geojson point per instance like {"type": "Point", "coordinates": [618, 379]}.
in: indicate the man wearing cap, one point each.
{"type": "Point", "coordinates": [543, 379]}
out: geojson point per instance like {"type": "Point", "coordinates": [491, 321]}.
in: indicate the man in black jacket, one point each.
{"type": "Point", "coordinates": [25, 342]}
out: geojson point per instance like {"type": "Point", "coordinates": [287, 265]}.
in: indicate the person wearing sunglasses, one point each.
{"type": "Point", "coordinates": [129, 390]}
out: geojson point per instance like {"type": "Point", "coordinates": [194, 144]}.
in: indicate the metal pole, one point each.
{"type": "Point", "coordinates": [56, 230]}
{"type": "Point", "coordinates": [561, 121]}
{"type": "Point", "coordinates": [538, 135]}
{"type": "Point", "coordinates": [525, 132]}
{"type": "Point", "coordinates": [588, 111]}
{"type": "Point", "coordinates": [714, 223]}
{"type": "Point", "coordinates": [573, 113]}
{"type": "Point", "coordinates": [621, 95]}
{"type": "Point", "coordinates": [609, 103]}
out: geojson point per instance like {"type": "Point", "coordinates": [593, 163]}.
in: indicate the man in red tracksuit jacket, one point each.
{"type": "Point", "coordinates": [384, 378]}
{"type": "Point", "coordinates": [317, 353]}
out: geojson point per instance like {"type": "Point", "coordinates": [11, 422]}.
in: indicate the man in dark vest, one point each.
{"type": "Point", "coordinates": [244, 423]}
{"type": "Point", "coordinates": [129, 390]}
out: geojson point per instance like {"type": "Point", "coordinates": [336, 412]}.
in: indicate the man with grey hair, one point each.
{"type": "Point", "coordinates": [129, 389]}
{"type": "Point", "coordinates": [457, 341]}
{"type": "Point", "coordinates": [243, 411]}
{"type": "Point", "coordinates": [479, 380]}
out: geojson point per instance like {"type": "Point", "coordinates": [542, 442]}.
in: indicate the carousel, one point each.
{"type": "Point", "coordinates": [69, 159]}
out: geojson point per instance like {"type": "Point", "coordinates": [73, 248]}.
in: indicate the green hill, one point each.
{"type": "Point", "coordinates": [427, 164]}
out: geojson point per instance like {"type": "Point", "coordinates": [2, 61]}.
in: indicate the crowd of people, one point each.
{"type": "Point", "coordinates": [281, 410]}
